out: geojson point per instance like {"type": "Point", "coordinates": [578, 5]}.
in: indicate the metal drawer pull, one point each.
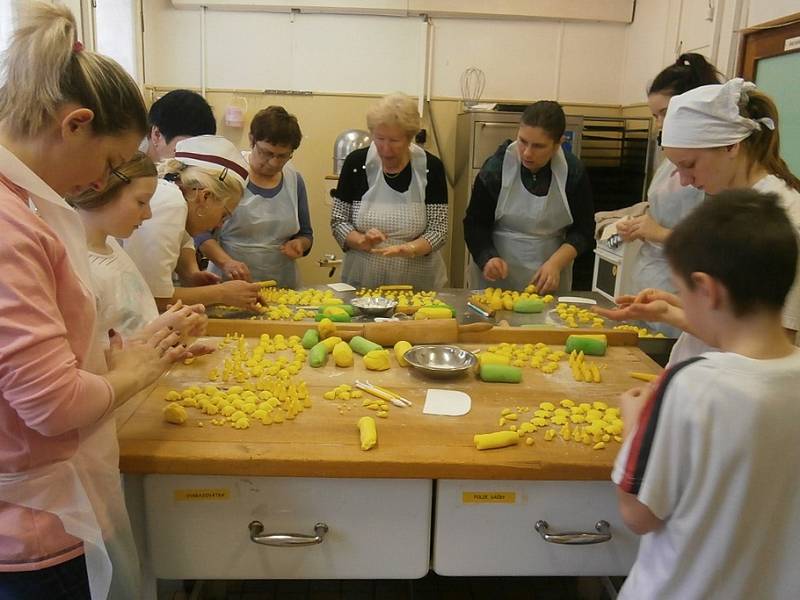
{"type": "Point", "coordinates": [575, 537]}
{"type": "Point", "coordinates": [286, 539]}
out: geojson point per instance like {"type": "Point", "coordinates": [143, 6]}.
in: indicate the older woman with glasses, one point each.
{"type": "Point", "coordinates": [271, 227]}
{"type": "Point", "coordinates": [390, 210]}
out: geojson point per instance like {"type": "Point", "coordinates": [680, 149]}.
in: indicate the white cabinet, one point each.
{"type": "Point", "coordinates": [696, 31]}
{"type": "Point", "coordinates": [199, 527]}
{"type": "Point", "coordinates": [489, 528]}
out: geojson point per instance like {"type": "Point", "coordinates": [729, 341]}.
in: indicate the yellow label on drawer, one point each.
{"type": "Point", "coordinates": [489, 497]}
{"type": "Point", "coordinates": [203, 494]}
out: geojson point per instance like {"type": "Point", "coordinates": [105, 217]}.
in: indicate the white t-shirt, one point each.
{"type": "Point", "coordinates": [687, 345]}
{"type": "Point", "coordinates": [718, 461]}
{"type": "Point", "coordinates": [124, 299]}
{"type": "Point", "coordinates": [156, 245]}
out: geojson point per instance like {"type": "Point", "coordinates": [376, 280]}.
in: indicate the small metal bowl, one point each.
{"type": "Point", "coordinates": [440, 361]}
{"type": "Point", "coordinates": [374, 307]}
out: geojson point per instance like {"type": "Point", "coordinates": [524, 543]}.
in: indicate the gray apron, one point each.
{"type": "Point", "coordinates": [528, 229]}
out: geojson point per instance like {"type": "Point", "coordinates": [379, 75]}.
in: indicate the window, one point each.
{"type": "Point", "coordinates": [116, 32]}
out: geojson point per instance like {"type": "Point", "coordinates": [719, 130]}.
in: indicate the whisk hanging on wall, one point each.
{"type": "Point", "coordinates": [472, 82]}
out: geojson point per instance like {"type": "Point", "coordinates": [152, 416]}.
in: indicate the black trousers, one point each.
{"type": "Point", "coordinates": [67, 581]}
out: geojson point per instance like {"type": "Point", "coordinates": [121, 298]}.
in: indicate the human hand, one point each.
{"type": "Point", "coordinates": [187, 320]}
{"type": "Point", "coordinates": [631, 404]}
{"type": "Point", "coordinates": [199, 349]}
{"type": "Point", "coordinates": [235, 269]}
{"type": "Point", "coordinates": [648, 305]}
{"type": "Point", "coordinates": [547, 278]}
{"type": "Point", "coordinates": [198, 278]}
{"type": "Point", "coordinates": [398, 250]}
{"type": "Point", "coordinates": [643, 227]}
{"type": "Point", "coordinates": [495, 268]}
{"type": "Point", "coordinates": [375, 236]}
{"type": "Point", "coordinates": [239, 293]}
{"type": "Point", "coordinates": [293, 248]}
{"type": "Point", "coordinates": [145, 357]}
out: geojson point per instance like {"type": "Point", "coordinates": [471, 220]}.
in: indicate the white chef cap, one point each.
{"type": "Point", "coordinates": [708, 117]}
{"type": "Point", "coordinates": [213, 152]}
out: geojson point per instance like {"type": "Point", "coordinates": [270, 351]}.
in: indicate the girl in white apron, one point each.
{"type": "Point", "coordinates": [669, 201]}
{"type": "Point", "coordinates": [528, 229]}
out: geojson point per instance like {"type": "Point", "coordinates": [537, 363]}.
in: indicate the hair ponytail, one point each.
{"type": "Point", "coordinates": [690, 70]}
{"type": "Point", "coordinates": [44, 68]}
{"type": "Point", "coordinates": [763, 147]}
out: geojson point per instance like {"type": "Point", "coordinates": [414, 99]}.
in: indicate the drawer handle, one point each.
{"type": "Point", "coordinates": [258, 536]}
{"type": "Point", "coordinates": [575, 537]}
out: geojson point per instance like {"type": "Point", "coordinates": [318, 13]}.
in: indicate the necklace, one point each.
{"type": "Point", "coordinates": [392, 175]}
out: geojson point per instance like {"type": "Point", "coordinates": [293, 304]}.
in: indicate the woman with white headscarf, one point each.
{"type": "Point", "coordinates": [720, 137]}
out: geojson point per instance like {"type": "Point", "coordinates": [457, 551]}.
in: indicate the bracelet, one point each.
{"type": "Point", "coordinates": [410, 247]}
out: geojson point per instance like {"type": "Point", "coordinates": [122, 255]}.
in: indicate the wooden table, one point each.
{"type": "Point", "coordinates": [323, 443]}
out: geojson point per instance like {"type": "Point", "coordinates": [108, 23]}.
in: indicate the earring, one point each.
{"type": "Point", "coordinates": [200, 214]}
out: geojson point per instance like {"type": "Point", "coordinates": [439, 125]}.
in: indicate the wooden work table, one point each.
{"type": "Point", "coordinates": [322, 442]}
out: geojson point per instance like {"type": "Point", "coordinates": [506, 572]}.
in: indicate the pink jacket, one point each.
{"type": "Point", "coordinates": [46, 327]}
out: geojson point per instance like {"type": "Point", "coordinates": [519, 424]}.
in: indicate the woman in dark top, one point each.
{"type": "Point", "coordinates": [390, 210]}
{"type": "Point", "coordinates": [531, 211]}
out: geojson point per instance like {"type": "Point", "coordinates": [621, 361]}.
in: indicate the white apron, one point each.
{"type": "Point", "coordinates": [402, 217]}
{"type": "Point", "coordinates": [669, 203]}
{"type": "Point", "coordinates": [84, 491]}
{"type": "Point", "coordinates": [259, 227]}
{"type": "Point", "coordinates": [528, 229]}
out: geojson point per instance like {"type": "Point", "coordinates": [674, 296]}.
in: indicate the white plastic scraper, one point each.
{"type": "Point", "coordinates": [446, 402]}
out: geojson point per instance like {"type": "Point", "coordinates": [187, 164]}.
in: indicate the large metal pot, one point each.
{"type": "Point", "coordinates": [349, 140]}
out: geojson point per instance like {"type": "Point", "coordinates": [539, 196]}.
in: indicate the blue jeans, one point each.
{"type": "Point", "coordinates": [67, 581]}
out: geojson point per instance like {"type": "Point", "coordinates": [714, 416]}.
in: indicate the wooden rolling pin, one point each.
{"type": "Point", "coordinates": [433, 331]}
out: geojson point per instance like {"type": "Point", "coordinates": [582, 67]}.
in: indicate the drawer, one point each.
{"type": "Point", "coordinates": [198, 527]}
{"type": "Point", "coordinates": [488, 528]}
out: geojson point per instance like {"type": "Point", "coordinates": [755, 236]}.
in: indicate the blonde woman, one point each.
{"type": "Point", "coordinates": [68, 118]}
{"type": "Point", "coordinates": [200, 188]}
{"type": "Point", "coordinates": [390, 210]}
{"type": "Point", "coordinates": [124, 301]}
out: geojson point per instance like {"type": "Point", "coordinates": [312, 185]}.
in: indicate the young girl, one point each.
{"type": "Point", "coordinates": [668, 201]}
{"type": "Point", "coordinates": [125, 303]}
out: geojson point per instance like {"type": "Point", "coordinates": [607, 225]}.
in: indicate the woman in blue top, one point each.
{"type": "Point", "coordinates": [271, 227]}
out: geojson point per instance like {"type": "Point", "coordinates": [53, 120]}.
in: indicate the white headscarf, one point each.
{"type": "Point", "coordinates": [708, 117]}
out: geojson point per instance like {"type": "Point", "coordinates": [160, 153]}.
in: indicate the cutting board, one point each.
{"type": "Point", "coordinates": [323, 442]}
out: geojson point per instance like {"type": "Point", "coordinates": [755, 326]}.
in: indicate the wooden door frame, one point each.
{"type": "Point", "coordinates": [765, 41]}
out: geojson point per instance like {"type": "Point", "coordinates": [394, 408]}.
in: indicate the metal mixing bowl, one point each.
{"type": "Point", "coordinates": [374, 307]}
{"type": "Point", "coordinates": [440, 361]}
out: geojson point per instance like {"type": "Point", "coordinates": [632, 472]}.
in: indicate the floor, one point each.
{"type": "Point", "coordinates": [430, 587]}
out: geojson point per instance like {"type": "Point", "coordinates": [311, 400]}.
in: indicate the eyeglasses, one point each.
{"type": "Point", "coordinates": [269, 155]}
{"type": "Point", "coordinates": [228, 214]}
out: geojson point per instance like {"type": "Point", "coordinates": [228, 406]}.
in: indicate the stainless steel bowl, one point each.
{"type": "Point", "coordinates": [374, 307]}
{"type": "Point", "coordinates": [440, 361]}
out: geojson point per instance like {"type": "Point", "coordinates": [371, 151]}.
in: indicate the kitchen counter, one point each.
{"type": "Point", "coordinates": [205, 499]}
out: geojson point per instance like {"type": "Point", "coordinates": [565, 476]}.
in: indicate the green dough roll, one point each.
{"type": "Point", "coordinates": [593, 345]}
{"type": "Point", "coordinates": [318, 355]}
{"type": "Point", "coordinates": [501, 374]}
{"type": "Point", "coordinates": [362, 345]}
{"type": "Point", "coordinates": [528, 306]}
{"type": "Point", "coordinates": [340, 318]}
{"type": "Point", "coordinates": [348, 308]}
{"type": "Point", "coordinates": [310, 339]}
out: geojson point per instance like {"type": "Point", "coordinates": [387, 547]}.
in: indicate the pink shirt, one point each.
{"type": "Point", "coordinates": [46, 326]}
